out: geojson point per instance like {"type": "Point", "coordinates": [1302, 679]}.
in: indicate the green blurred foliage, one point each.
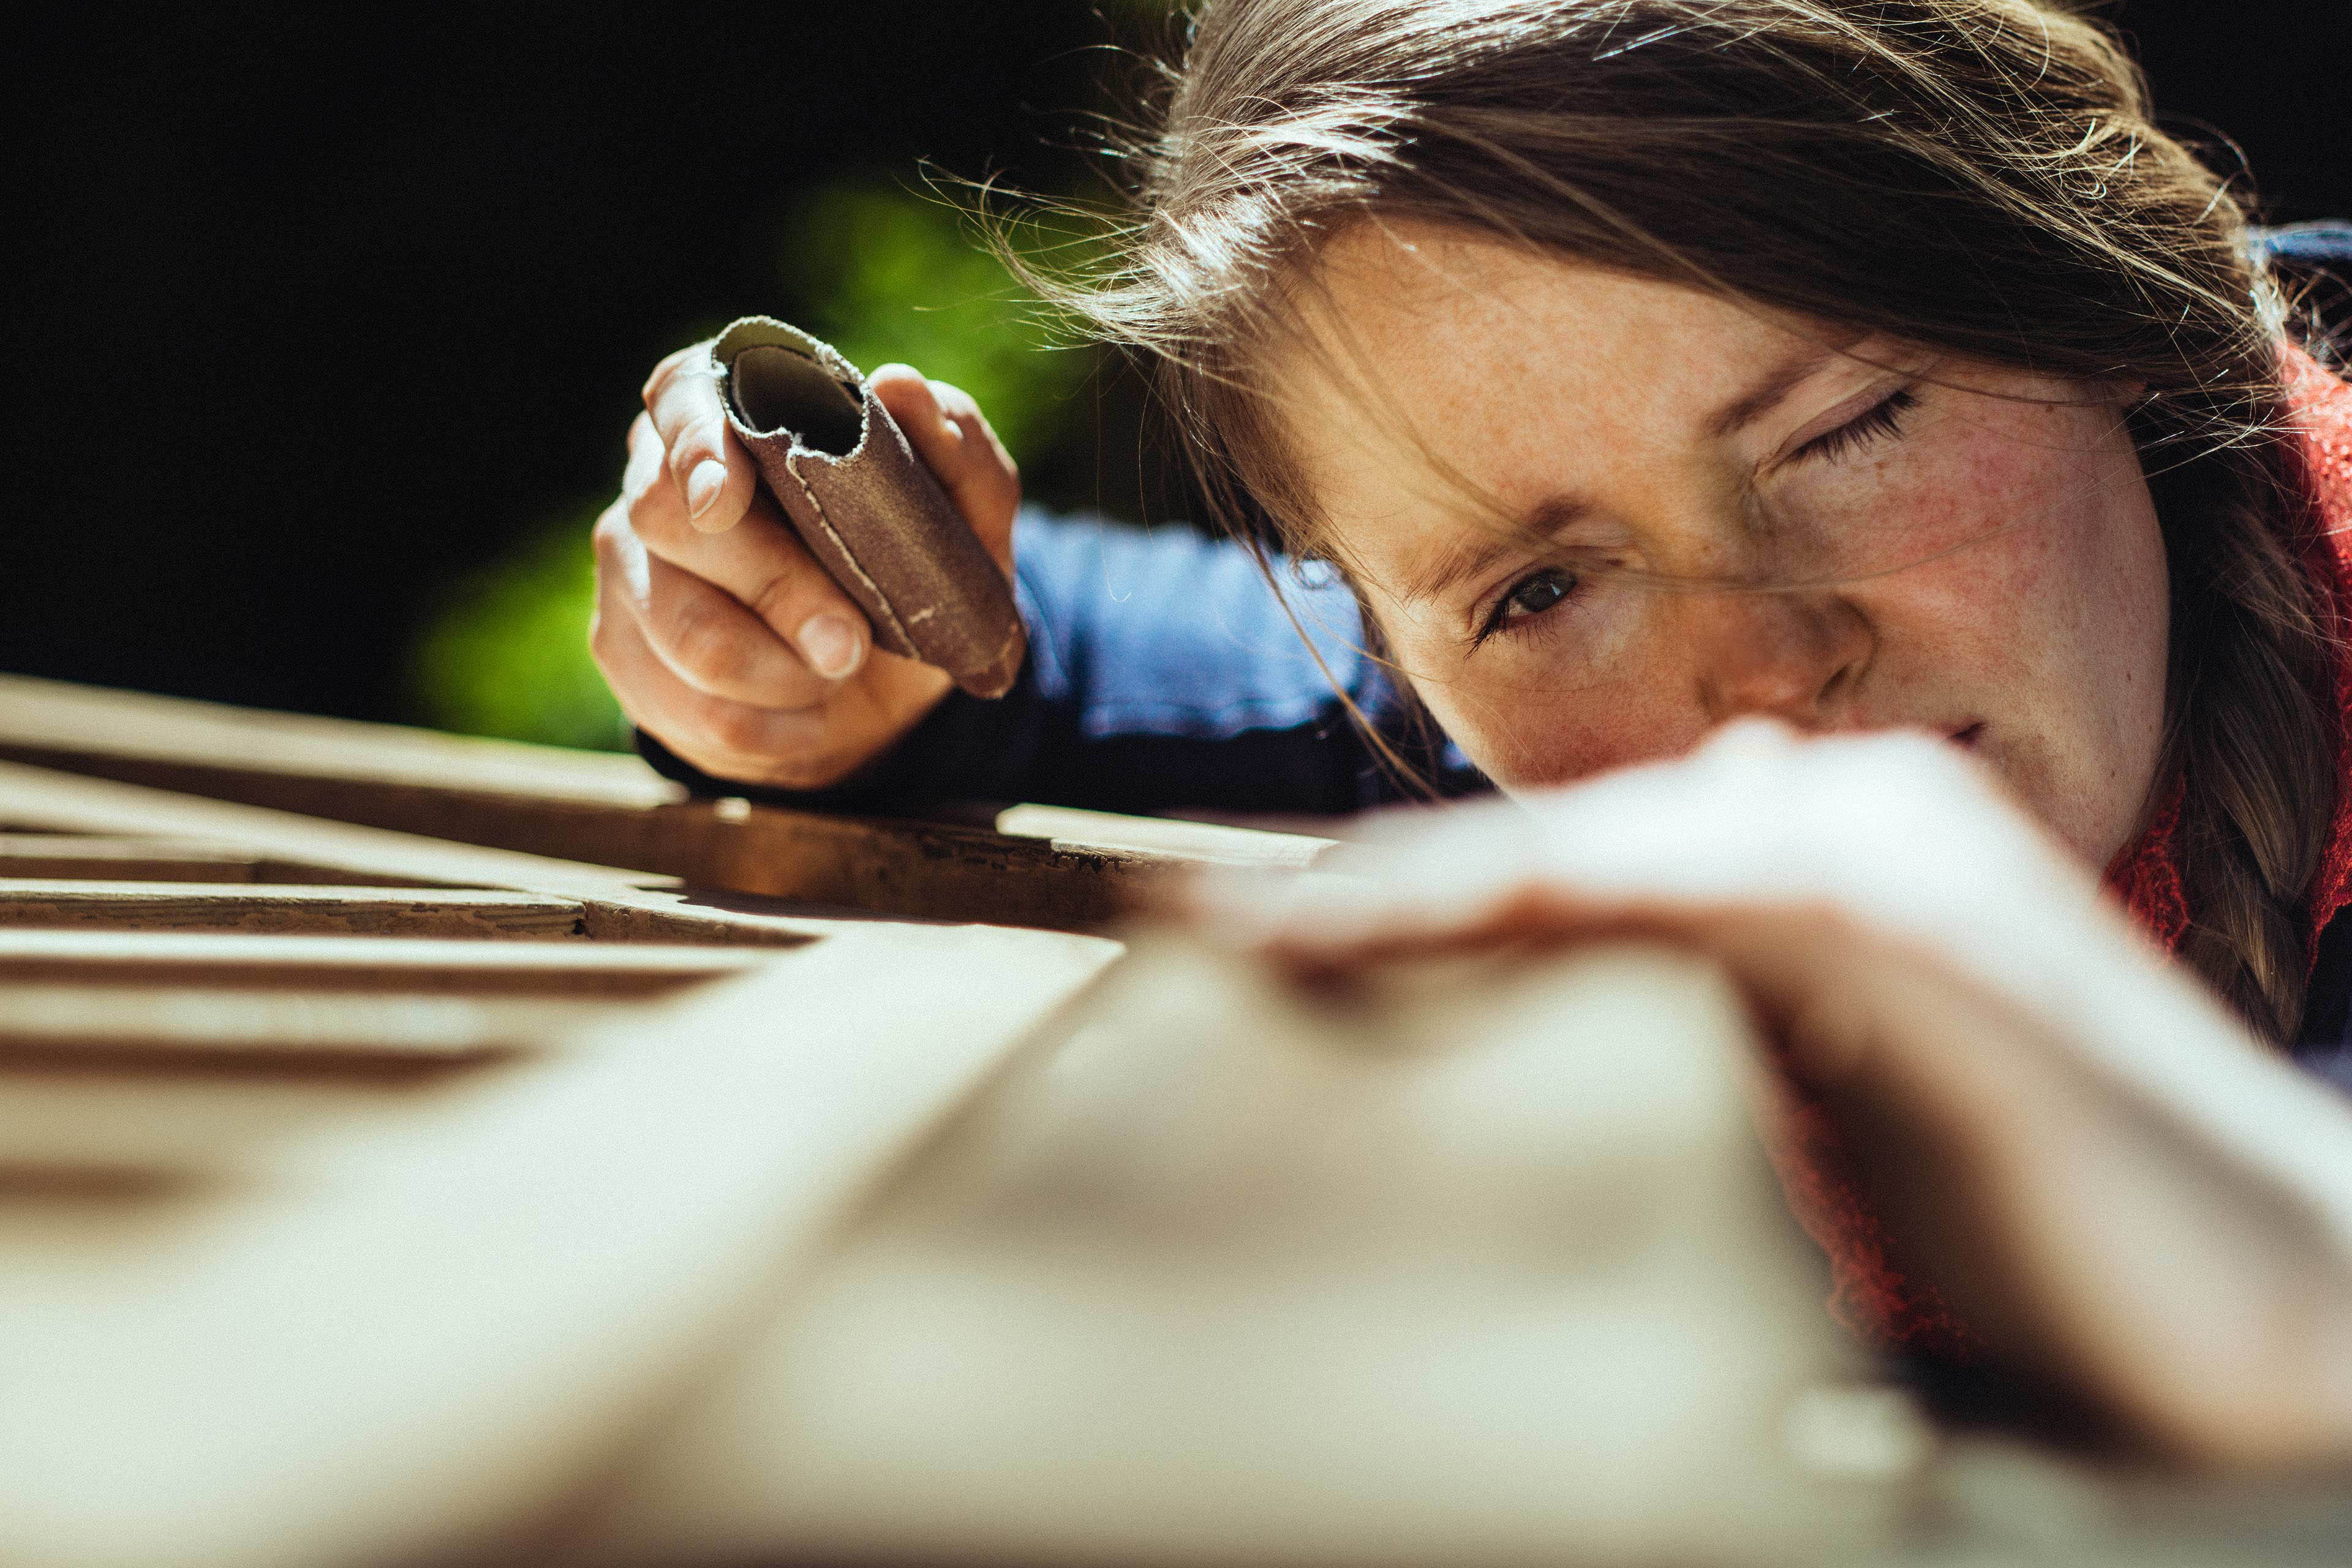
{"type": "Point", "coordinates": [507, 655]}
{"type": "Point", "coordinates": [882, 273]}
{"type": "Point", "coordinates": [891, 276]}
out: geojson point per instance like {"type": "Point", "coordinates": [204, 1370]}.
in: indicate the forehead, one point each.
{"type": "Point", "coordinates": [1519, 373]}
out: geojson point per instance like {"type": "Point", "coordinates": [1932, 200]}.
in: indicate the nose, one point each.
{"type": "Point", "coordinates": [1794, 657]}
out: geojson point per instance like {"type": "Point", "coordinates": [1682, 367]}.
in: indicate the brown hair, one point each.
{"type": "Point", "coordinates": [1979, 177]}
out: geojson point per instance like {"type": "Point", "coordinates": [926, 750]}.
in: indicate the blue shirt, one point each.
{"type": "Point", "coordinates": [1164, 671]}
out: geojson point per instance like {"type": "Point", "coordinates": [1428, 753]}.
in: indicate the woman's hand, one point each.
{"type": "Point", "coordinates": [2125, 1195]}
{"type": "Point", "coordinates": [718, 631]}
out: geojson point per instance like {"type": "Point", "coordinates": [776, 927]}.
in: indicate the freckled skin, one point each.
{"type": "Point", "coordinates": [1996, 562]}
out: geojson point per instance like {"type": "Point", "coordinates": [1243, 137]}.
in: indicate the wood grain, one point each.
{"type": "Point", "coordinates": [417, 1352]}
{"type": "Point", "coordinates": [614, 901]}
{"type": "Point", "coordinates": [1056, 871]}
{"type": "Point", "coordinates": [287, 911]}
{"type": "Point", "coordinates": [148, 860]}
{"type": "Point", "coordinates": [283, 1030]}
{"type": "Point", "coordinates": [518, 968]}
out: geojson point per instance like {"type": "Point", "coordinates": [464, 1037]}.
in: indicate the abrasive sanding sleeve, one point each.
{"type": "Point", "coordinates": [867, 507]}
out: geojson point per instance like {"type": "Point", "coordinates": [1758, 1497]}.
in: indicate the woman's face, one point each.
{"type": "Point", "coordinates": [1973, 551]}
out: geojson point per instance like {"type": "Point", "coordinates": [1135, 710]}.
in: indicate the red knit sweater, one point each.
{"type": "Point", "coordinates": [1869, 1293]}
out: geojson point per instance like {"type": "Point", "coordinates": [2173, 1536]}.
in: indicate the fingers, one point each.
{"type": "Point", "coordinates": [1896, 830]}
{"type": "Point", "coordinates": [710, 469]}
{"type": "Point", "coordinates": [705, 635]}
{"type": "Point", "coordinates": [952, 437]}
{"type": "Point", "coordinates": [762, 564]}
{"type": "Point", "coordinates": [720, 735]}
{"type": "Point", "coordinates": [692, 503]}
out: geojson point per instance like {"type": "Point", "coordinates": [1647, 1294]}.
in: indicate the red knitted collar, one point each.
{"type": "Point", "coordinates": [1869, 1293]}
{"type": "Point", "coordinates": [2147, 876]}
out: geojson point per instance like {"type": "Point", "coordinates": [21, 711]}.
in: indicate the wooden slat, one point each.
{"type": "Point", "coordinates": [287, 911]}
{"type": "Point", "coordinates": [612, 810]}
{"type": "Point", "coordinates": [160, 860]}
{"type": "Point", "coordinates": [477, 1309]}
{"type": "Point", "coordinates": [1071, 830]}
{"type": "Point", "coordinates": [209, 1121]}
{"type": "Point", "coordinates": [282, 1030]}
{"type": "Point", "coordinates": [63, 717]}
{"type": "Point", "coordinates": [138, 859]}
{"type": "Point", "coordinates": [618, 904]}
{"type": "Point", "coordinates": [573, 969]}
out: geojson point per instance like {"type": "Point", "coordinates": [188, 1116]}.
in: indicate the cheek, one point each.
{"type": "Point", "coordinates": [1525, 732]}
{"type": "Point", "coordinates": [1994, 544]}
{"type": "Point", "coordinates": [2047, 617]}
{"type": "Point", "coordinates": [2050, 578]}
{"type": "Point", "coordinates": [1970, 481]}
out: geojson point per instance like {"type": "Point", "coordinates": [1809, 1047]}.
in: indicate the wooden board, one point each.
{"type": "Point", "coordinates": [388, 964]}
{"type": "Point", "coordinates": [355, 1219]}
{"type": "Point", "coordinates": [725, 1225]}
{"type": "Point", "coordinates": [287, 911]}
{"type": "Point", "coordinates": [425, 1340]}
{"type": "Point", "coordinates": [280, 1029]}
{"type": "Point", "coordinates": [1031, 866]}
{"type": "Point", "coordinates": [144, 859]}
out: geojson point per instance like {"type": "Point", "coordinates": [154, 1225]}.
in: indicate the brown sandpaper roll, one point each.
{"type": "Point", "coordinates": [867, 507]}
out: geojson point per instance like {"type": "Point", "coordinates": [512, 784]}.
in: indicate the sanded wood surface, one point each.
{"type": "Point", "coordinates": [357, 1219]}
{"type": "Point", "coordinates": [330, 1348]}
{"type": "Point", "coordinates": [567, 969]}
{"type": "Point", "coordinates": [154, 860]}
{"type": "Point", "coordinates": [1073, 830]}
{"type": "Point", "coordinates": [69, 719]}
{"type": "Point", "coordinates": [149, 859]}
{"type": "Point", "coordinates": [1052, 869]}
{"type": "Point", "coordinates": [287, 911]}
{"type": "Point", "coordinates": [280, 1028]}
{"type": "Point", "coordinates": [615, 903]}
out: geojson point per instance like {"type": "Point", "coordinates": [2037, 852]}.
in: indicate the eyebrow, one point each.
{"type": "Point", "coordinates": [1768, 393]}
{"type": "Point", "coordinates": [1480, 551]}
{"type": "Point", "coordinates": [1549, 517]}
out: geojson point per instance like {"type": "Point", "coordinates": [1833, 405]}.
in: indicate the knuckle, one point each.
{"type": "Point", "coordinates": [732, 727]}
{"type": "Point", "coordinates": [654, 515]}
{"type": "Point", "coordinates": [611, 525]}
{"type": "Point", "coordinates": [604, 640]}
{"type": "Point", "coordinates": [707, 645]}
{"type": "Point", "coordinates": [777, 602]}
{"type": "Point", "coordinates": [696, 443]}
{"type": "Point", "coordinates": [666, 371]}
{"type": "Point", "coordinates": [641, 481]}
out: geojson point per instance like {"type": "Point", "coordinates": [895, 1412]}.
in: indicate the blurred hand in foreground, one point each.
{"type": "Point", "coordinates": [2128, 1197]}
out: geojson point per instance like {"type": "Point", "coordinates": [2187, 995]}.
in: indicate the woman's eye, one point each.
{"type": "Point", "coordinates": [1531, 596]}
{"type": "Point", "coordinates": [1883, 419]}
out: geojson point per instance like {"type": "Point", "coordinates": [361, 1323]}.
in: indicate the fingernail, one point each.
{"type": "Point", "coordinates": [831, 645]}
{"type": "Point", "coordinates": [703, 485]}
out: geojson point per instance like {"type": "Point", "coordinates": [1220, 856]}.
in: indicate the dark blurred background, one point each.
{"type": "Point", "coordinates": [334, 321]}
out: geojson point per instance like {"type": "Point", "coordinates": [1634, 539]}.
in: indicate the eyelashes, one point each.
{"type": "Point", "coordinates": [1883, 419]}
{"type": "Point", "coordinates": [1539, 592]}
{"type": "Point", "coordinates": [1531, 596]}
